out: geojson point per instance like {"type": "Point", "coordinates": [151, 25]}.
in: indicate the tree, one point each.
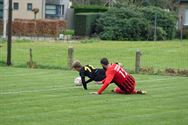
{"type": "Point", "coordinates": [110, 3]}
{"type": "Point", "coordinates": [164, 4]}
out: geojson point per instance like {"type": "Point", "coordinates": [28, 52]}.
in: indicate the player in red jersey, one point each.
{"type": "Point", "coordinates": [114, 73]}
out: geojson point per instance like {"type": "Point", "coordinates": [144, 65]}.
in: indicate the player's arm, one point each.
{"type": "Point", "coordinates": [84, 82]}
{"type": "Point", "coordinates": [107, 81]}
{"type": "Point", "coordinates": [82, 75]}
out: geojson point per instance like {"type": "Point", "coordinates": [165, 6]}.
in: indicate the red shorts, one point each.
{"type": "Point", "coordinates": [129, 87]}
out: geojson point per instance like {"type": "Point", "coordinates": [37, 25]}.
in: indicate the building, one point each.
{"type": "Point", "coordinates": [47, 9]}
{"type": "Point", "coordinates": [1, 9]}
{"type": "Point", "coordinates": [183, 14]}
{"type": "Point", "coordinates": [56, 9]}
{"type": "Point", "coordinates": [22, 9]}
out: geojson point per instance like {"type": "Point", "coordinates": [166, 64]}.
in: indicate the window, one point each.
{"type": "Point", "coordinates": [58, 10]}
{"type": "Point", "coordinates": [54, 11]}
{"type": "Point", "coordinates": [186, 17]}
{"type": "Point", "coordinates": [16, 6]}
{"type": "Point", "coordinates": [50, 9]}
{"type": "Point", "coordinates": [1, 6]}
{"type": "Point", "coordinates": [29, 6]}
{"type": "Point", "coordinates": [1, 10]}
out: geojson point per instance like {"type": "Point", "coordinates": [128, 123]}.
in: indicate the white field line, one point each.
{"type": "Point", "coordinates": [23, 74]}
{"type": "Point", "coordinates": [37, 90]}
{"type": "Point", "coordinates": [65, 88]}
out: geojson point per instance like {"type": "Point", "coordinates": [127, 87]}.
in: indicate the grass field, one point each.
{"type": "Point", "coordinates": [48, 97]}
{"type": "Point", "coordinates": [159, 55]}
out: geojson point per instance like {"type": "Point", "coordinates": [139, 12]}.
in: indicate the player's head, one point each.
{"type": "Point", "coordinates": [104, 63]}
{"type": "Point", "coordinates": [76, 65]}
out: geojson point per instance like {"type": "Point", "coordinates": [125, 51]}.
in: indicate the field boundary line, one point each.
{"type": "Point", "coordinates": [54, 89]}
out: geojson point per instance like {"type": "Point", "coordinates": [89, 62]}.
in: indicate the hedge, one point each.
{"type": "Point", "coordinates": [89, 9]}
{"type": "Point", "coordinates": [134, 23]}
{"type": "Point", "coordinates": [49, 28]}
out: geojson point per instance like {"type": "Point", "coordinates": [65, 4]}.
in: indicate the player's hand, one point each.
{"type": "Point", "coordinates": [95, 93]}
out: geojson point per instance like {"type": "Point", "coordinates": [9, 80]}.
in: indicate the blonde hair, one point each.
{"type": "Point", "coordinates": [76, 64]}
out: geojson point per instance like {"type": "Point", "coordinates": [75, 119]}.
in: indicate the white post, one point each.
{"type": "Point", "coordinates": [5, 17]}
{"type": "Point", "coordinates": [43, 8]}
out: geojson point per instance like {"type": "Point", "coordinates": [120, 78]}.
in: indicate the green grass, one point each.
{"type": "Point", "coordinates": [159, 55]}
{"type": "Point", "coordinates": [48, 97]}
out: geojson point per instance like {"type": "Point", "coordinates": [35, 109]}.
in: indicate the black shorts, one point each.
{"type": "Point", "coordinates": [99, 75]}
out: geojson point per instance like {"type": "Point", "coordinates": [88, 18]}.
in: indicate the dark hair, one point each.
{"type": "Point", "coordinates": [104, 61]}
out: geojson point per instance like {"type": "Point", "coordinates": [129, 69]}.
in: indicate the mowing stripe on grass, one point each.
{"type": "Point", "coordinates": [64, 88]}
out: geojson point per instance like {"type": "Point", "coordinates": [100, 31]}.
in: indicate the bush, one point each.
{"type": "Point", "coordinates": [108, 35]}
{"type": "Point", "coordinates": [68, 32]}
{"type": "Point", "coordinates": [136, 29]}
{"type": "Point", "coordinates": [89, 9]}
{"type": "Point", "coordinates": [160, 33]}
{"type": "Point", "coordinates": [133, 23]}
{"type": "Point", "coordinates": [131, 29]}
{"type": "Point", "coordinates": [166, 20]}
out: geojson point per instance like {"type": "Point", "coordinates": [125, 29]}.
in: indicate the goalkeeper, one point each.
{"type": "Point", "coordinates": [94, 74]}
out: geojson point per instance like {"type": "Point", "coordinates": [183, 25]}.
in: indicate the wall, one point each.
{"type": "Point", "coordinates": [182, 8]}
{"type": "Point", "coordinates": [28, 14]}
{"type": "Point", "coordinates": [70, 18]}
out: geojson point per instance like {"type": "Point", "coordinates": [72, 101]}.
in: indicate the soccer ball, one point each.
{"type": "Point", "coordinates": [78, 81]}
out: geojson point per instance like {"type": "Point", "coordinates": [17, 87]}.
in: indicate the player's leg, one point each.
{"type": "Point", "coordinates": [118, 91]}
{"type": "Point", "coordinates": [141, 92]}
{"type": "Point", "coordinates": [130, 85]}
{"type": "Point", "coordinates": [131, 81]}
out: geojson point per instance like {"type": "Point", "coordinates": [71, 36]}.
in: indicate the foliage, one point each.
{"type": "Point", "coordinates": [164, 4]}
{"type": "Point", "coordinates": [68, 32]}
{"type": "Point", "coordinates": [133, 23]}
{"type": "Point", "coordinates": [89, 9]}
{"type": "Point", "coordinates": [165, 19]}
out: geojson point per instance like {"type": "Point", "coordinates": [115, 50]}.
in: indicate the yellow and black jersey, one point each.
{"type": "Point", "coordinates": [93, 74]}
{"type": "Point", "coordinates": [87, 70]}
